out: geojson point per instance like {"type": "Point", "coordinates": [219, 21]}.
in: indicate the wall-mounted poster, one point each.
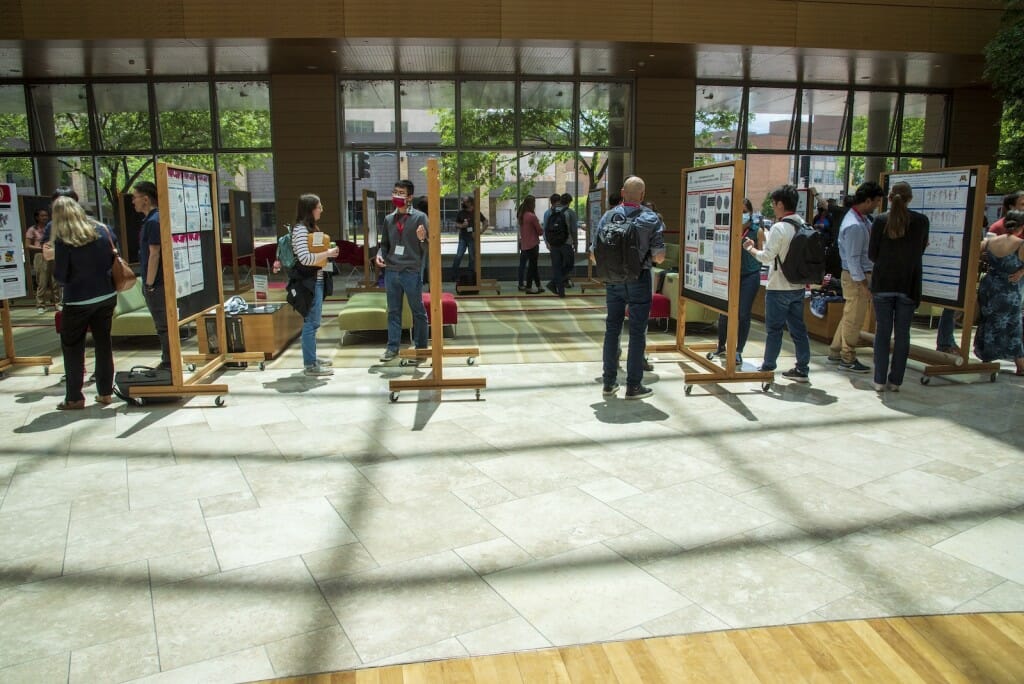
{"type": "Point", "coordinates": [947, 199]}
{"type": "Point", "coordinates": [205, 203]}
{"type": "Point", "coordinates": [12, 255]}
{"type": "Point", "coordinates": [707, 234]}
{"type": "Point", "coordinates": [176, 199]}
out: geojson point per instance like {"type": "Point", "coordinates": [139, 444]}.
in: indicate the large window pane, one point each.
{"type": "Point", "coordinates": [546, 114]}
{"type": "Point", "coordinates": [117, 176]}
{"type": "Point", "coordinates": [823, 119]}
{"type": "Point", "coordinates": [183, 115]}
{"type": "Point", "coordinates": [243, 108]}
{"type": "Point", "coordinates": [825, 174]}
{"type": "Point", "coordinates": [770, 125]}
{"type": "Point", "coordinates": [369, 108]}
{"type": "Point", "coordinates": [62, 117]}
{"type": "Point", "coordinates": [253, 173]}
{"type": "Point", "coordinates": [122, 116]}
{"type": "Point", "coordinates": [18, 170]}
{"type": "Point", "coordinates": [488, 113]}
{"type": "Point", "coordinates": [605, 115]}
{"type": "Point", "coordinates": [385, 169]}
{"type": "Point", "coordinates": [868, 169]}
{"type": "Point", "coordinates": [873, 122]}
{"type": "Point", "coordinates": [765, 172]}
{"type": "Point", "coordinates": [428, 113]}
{"type": "Point", "coordinates": [13, 120]}
{"type": "Point", "coordinates": [716, 125]}
{"type": "Point", "coordinates": [924, 123]}
{"type": "Point", "coordinates": [73, 172]}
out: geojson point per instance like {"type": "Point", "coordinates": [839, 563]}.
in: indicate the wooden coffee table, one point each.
{"type": "Point", "coordinates": [268, 328]}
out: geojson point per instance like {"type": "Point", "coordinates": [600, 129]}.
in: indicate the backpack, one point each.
{"type": "Point", "coordinates": [556, 230]}
{"type": "Point", "coordinates": [285, 253]}
{"type": "Point", "coordinates": [617, 249]}
{"type": "Point", "coordinates": [805, 260]}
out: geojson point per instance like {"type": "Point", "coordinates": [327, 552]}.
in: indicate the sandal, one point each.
{"type": "Point", "coordinates": [105, 399]}
{"type": "Point", "coordinates": [71, 405]}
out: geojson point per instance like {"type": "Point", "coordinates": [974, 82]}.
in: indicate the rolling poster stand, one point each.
{"type": "Point", "coordinates": [595, 210]}
{"type": "Point", "coordinates": [478, 243]}
{"type": "Point", "coordinates": [13, 277]}
{"type": "Point", "coordinates": [954, 203]}
{"type": "Point", "coordinates": [243, 237]}
{"type": "Point", "coordinates": [436, 352]}
{"type": "Point", "coordinates": [709, 268]}
{"type": "Point", "coordinates": [370, 241]}
{"type": "Point", "coordinates": [190, 259]}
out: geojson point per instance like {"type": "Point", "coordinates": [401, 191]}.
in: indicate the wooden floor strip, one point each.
{"type": "Point", "coordinates": [982, 647]}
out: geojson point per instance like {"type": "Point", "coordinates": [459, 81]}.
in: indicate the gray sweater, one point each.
{"type": "Point", "coordinates": [412, 255]}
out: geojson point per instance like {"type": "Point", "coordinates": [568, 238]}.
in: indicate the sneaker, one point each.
{"type": "Point", "coordinates": [835, 358]}
{"type": "Point", "coordinates": [551, 288]}
{"type": "Point", "coordinates": [638, 392]}
{"type": "Point", "coordinates": [718, 354]}
{"type": "Point", "coordinates": [796, 375]}
{"type": "Point", "coordinates": [648, 366]}
{"type": "Point", "coordinates": [892, 388]}
{"type": "Point", "coordinates": [762, 369]}
{"type": "Point", "coordinates": [854, 366]}
{"type": "Point", "coordinates": [324, 362]}
{"type": "Point", "coordinates": [40, 309]}
{"type": "Point", "coordinates": [522, 288]}
{"type": "Point", "coordinates": [389, 355]}
{"type": "Point", "coordinates": [569, 283]}
{"type": "Point", "coordinates": [316, 370]}
{"type": "Point", "coordinates": [535, 290]}
{"type": "Point", "coordinates": [951, 349]}
{"type": "Point", "coordinates": [879, 387]}
{"type": "Point", "coordinates": [610, 390]}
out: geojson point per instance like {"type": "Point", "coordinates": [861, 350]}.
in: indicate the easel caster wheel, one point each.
{"type": "Point", "coordinates": [766, 386]}
{"type": "Point", "coordinates": [992, 377]}
{"type": "Point", "coordinates": [478, 395]}
{"type": "Point", "coordinates": [925, 379]}
{"type": "Point", "coordinates": [218, 402]}
{"type": "Point", "coordinates": [263, 365]}
{"type": "Point", "coordinates": [709, 356]}
{"type": "Point", "coordinates": [687, 389]}
{"type": "Point", "coordinates": [190, 367]}
{"type": "Point", "coordinates": [470, 361]}
{"type": "Point", "coordinates": [393, 397]}
{"type": "Point", "coordinates": [46, 371]}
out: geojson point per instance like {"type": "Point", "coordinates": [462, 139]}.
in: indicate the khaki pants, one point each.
{"type": "Point", "coordinates": [46, 287]}
{"type": "Point", "coordinates": [854, 310]}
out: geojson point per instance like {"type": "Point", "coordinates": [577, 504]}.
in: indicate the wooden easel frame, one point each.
{"type": "Point", "coordinates": [369, 282]}
{"type": "Point", "coordinates": [11, 359]}
{"type": "Point", "coordinates": [179, 386]}
{"type": "Point", "coordinates": [436, 352]}
{"type": "Point", "coordinates": [697, 354]}
{"type": "Point", "coordinates": [940, 363]}
{"type": "Point", "coordinates": [239, 286]}
{"type": "Point", "coordinates": [478, 245]}
{"type": "Point", "coordinates": [596, 206]}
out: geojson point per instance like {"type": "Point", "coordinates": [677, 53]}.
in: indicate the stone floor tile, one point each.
{"type": "Point", "coordinates": [241, 666]}
{"type": "Point", "coordinates": [119, 660]}
{"type": "Point", "coordinates": [512, 635]}
{"type": "Point", "coordinates": [996, 546]}
{"type": "Point", "coordinates": [322, 650]}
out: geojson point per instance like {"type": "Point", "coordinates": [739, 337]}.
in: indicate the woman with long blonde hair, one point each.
{"type": "Point", "coordinates": [898, 239]}
{"type": "Point", "coordinates": [83, 256]}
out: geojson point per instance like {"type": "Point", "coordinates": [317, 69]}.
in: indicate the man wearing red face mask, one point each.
{"type": "Point", "coordinates": [401, 253]}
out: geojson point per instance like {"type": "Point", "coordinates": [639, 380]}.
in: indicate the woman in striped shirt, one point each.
{"type": "Point", "coordinates": [308, 284]}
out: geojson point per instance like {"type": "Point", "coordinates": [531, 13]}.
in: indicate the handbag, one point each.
{"type": "Point", "coordinates": [123, 275]}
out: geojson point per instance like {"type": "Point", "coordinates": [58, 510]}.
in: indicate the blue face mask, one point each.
{"type": "Point", "coordinates": [746, 217]}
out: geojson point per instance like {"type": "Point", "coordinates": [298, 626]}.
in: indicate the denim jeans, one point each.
{"type": "Point", "coordinates": [407, 283]}
{"type": "Point", "coordinates": [945, 336]}
{"type": "Point", "coordinates": [310, 324]}
{"type": "Point", "coordinates": [749, 284]}
{"type": "Point", "coordinates": [465, 245]}
{"type": "Point", "coordinates": [637, 296]}
{"type": "Point", "coordinates": [528, 267]}
{"type": "Point", "coordinates": [158, 310]}
{"type": "Point", "coordinates": [785, 308]}
{"type": "Point", "coordinates": [894, 312]}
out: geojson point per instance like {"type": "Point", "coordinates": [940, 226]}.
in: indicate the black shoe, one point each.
{"type": "Point", "coordinates": [610, 390]}
{"type": "Point", "coordinates": [164, 365]}
{"type": "Point", "coordinates": [854, 366]}
{"type": "Point", "coordinates": [568, 283]}
{"type": "Point", "coordinates": [522, 288]}
{"type": "Point", "coordinates": [638, 392]}
{"type": "Point", "coordinates": [551, 288]}
{"type": "Point", "coordinates": [796, 375]}
{"type": "Point", "coordinates": [648, 366]}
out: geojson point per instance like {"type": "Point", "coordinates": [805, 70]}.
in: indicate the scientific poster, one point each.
{"type": "Point", "coordinates": [945, 198]}
{"type": "Point", "coordinates": [370, 218]}
{"type": "Point", "coordinates": [707, 235]}
{"type": "Point", "coordinates": [182, 279]}
{"type": "Point", "coordinates": [188, 181]}
{"type": "Point", "coordinates": [195, 262]}
{"type": "Point", "coordinates": [12, 254]}
{"type": "Point", "coordinates": [205, 202]}
{"type": "Point", "coordinates": [176, 197]}
{"type": "Point", "coordinates": [595, 210]}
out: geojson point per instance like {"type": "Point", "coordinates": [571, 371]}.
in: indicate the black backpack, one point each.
{"type": "Point", "coordinates": [805, 260]}
{"type": "Point", "coordinates": [617, 249]}
{"type": "Point", "coordinates": [556, 230]}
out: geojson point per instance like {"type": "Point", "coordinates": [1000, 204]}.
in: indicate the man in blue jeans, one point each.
{"type": "Point", "coordinates": [402, 246]}
{"type": "Point", "coordinates": [784, 301]}
{"type": "Point", "coordinates": [634, 294]}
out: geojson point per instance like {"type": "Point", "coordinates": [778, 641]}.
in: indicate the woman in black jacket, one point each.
{"type": "Point", "coordinates": [83, 255]}
{"type": "Point", "coordinates": [898, 239]}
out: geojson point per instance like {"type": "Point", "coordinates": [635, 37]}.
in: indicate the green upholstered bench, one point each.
{"type": "Point", "coordinates": [131, 316]}
{"type": "Point", "coordinates": [369, 311]}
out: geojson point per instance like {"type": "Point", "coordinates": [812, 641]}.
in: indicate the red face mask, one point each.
{"type": "Point", "coordinates": [398, 201]}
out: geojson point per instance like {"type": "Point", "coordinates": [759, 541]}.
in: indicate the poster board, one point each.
{"type": "Point", "coordinates": [993, 208]}
{"type": "Point", "coordinates": [243, 238]}
{"type": "Point", "coordinates": [805, 203]}
{"type": "Point", "coordinates": [129, 226]}
{"type": "Point", "coordinates": [371, 240]}
{"type": "Point", "coordinates": [711, 208]}
{"type": "Point", "coordinates": [596, 207]}
{"type": "Point", "coordinates": [478, 245]}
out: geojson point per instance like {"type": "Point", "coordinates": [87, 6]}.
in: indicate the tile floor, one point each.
{"type": "Point", "coordinates": [311, 525]}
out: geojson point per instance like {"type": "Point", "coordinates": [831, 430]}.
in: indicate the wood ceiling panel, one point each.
{"type": "Point", "coordinates": [542, 19]}
{"type": "Point", "coordinates": [246, 19]}
{"type": "Point", "coordinates": [878, 29]}
{"type": "Point", "coordinates": [957, 30]}
{"type": "Point", "coordinates": [11, 28]}
{"type": "Point", "coordinates": [722, 21]}
{"type": "Point", "coordinates": [102, 19]}
{"type": "Point", "coordinates": [441, 19]}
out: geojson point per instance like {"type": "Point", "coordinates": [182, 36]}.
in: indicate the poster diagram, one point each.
{"type": "Point", "coordinates": [195, 262]}
{"type": "Point", "coordinates": [205, 202]}
{"type": "Point", "coordinates": [191, 201]}
{"type": "Point", "coordinates": [12, 255]}
{"type": "Point", "coordinates": [176, 198]}
{"type": "Point", "coordinates": [371, 220]}
{"type": "Point", "coordinates": [595, 209]}
{"type": "Point", "coordinates": [944, 197]}
{"type": "Point", "coordinates": [182, 279]}
{"type": "Point", "coordinates": [707, 235]}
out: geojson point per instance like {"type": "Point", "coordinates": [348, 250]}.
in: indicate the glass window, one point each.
{"type": "Point", "coordinates": [823, 119]}
{"type": "Point", "coordinates": [716, 124]}
{"type": "Point", "coordinates": [924, 123]}
{"type": "Point", "coordinates": [546, 114]}
{"type": "Point", "coordinates": [383, 169]}
{"type": "Point", "coordinates": [243, 108]}
{"type": "Point", "coordinates": [18, 170]}
{"type": "Point", "coordinates": [61, 117]}
{"type": "Point", "coordinates": [117, 176]}
{"type": "Point", "coordinates": [428, 112]}
{"type": "Point", "coordinates": [254, 173]}
{"type": "Point", "coordinates": [869, 169]}
{"type": "Point", "coordinates": [13, 120]}
{"type": "Point", "coordinates": [73, 172]}
{"type": "Point", "coordinates": [122, 116]}
{"type": "Point", "coordinates": [488, 113]}
{"type": "Point", "coordinates": [770, 124]}
{"type": "Point", "coordinates": [604, 119]}
{"type": "Point", "coordinates": [873, 122]}
{"type": "Point", "coordinates": [372, 101]}
{"type": "Point", "coordinates": [183, 116]}
{"type": "Point", "coordinates": [416, 163]}
{"type": "Point", "coordinates": [765, 172]}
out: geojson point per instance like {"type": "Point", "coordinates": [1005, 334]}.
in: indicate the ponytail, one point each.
{"type": "Point", "coordinates": [899, 216]}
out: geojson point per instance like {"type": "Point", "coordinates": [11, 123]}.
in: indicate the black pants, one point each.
{"type": "Point", "coordinates": [560, 267]}
{"type": "Point", "coordinates": [75, 321]}
{"type": "Point", "coordinates": [528, 267]}
{"type": "Point", "coordinates": [158, 310]}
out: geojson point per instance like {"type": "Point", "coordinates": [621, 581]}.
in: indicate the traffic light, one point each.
{"type": "Point", "coordinates": [364, 165]}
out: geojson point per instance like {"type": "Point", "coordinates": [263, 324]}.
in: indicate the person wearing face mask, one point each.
{"type": "Point", "coordinates": [750, 281]}
{"type": "Point", "coordinates": [402, 250]}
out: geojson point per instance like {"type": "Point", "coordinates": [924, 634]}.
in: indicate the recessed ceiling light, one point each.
{"type": "Point", "coordinates": [311, 67]}
{"type": "Point", "coordinates": [334, 52]}
{"type": "Point", "coordinates": [651, 56]}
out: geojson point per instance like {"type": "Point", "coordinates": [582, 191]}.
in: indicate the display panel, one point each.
{"type": "Point", "coordinates": [709, 209]}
